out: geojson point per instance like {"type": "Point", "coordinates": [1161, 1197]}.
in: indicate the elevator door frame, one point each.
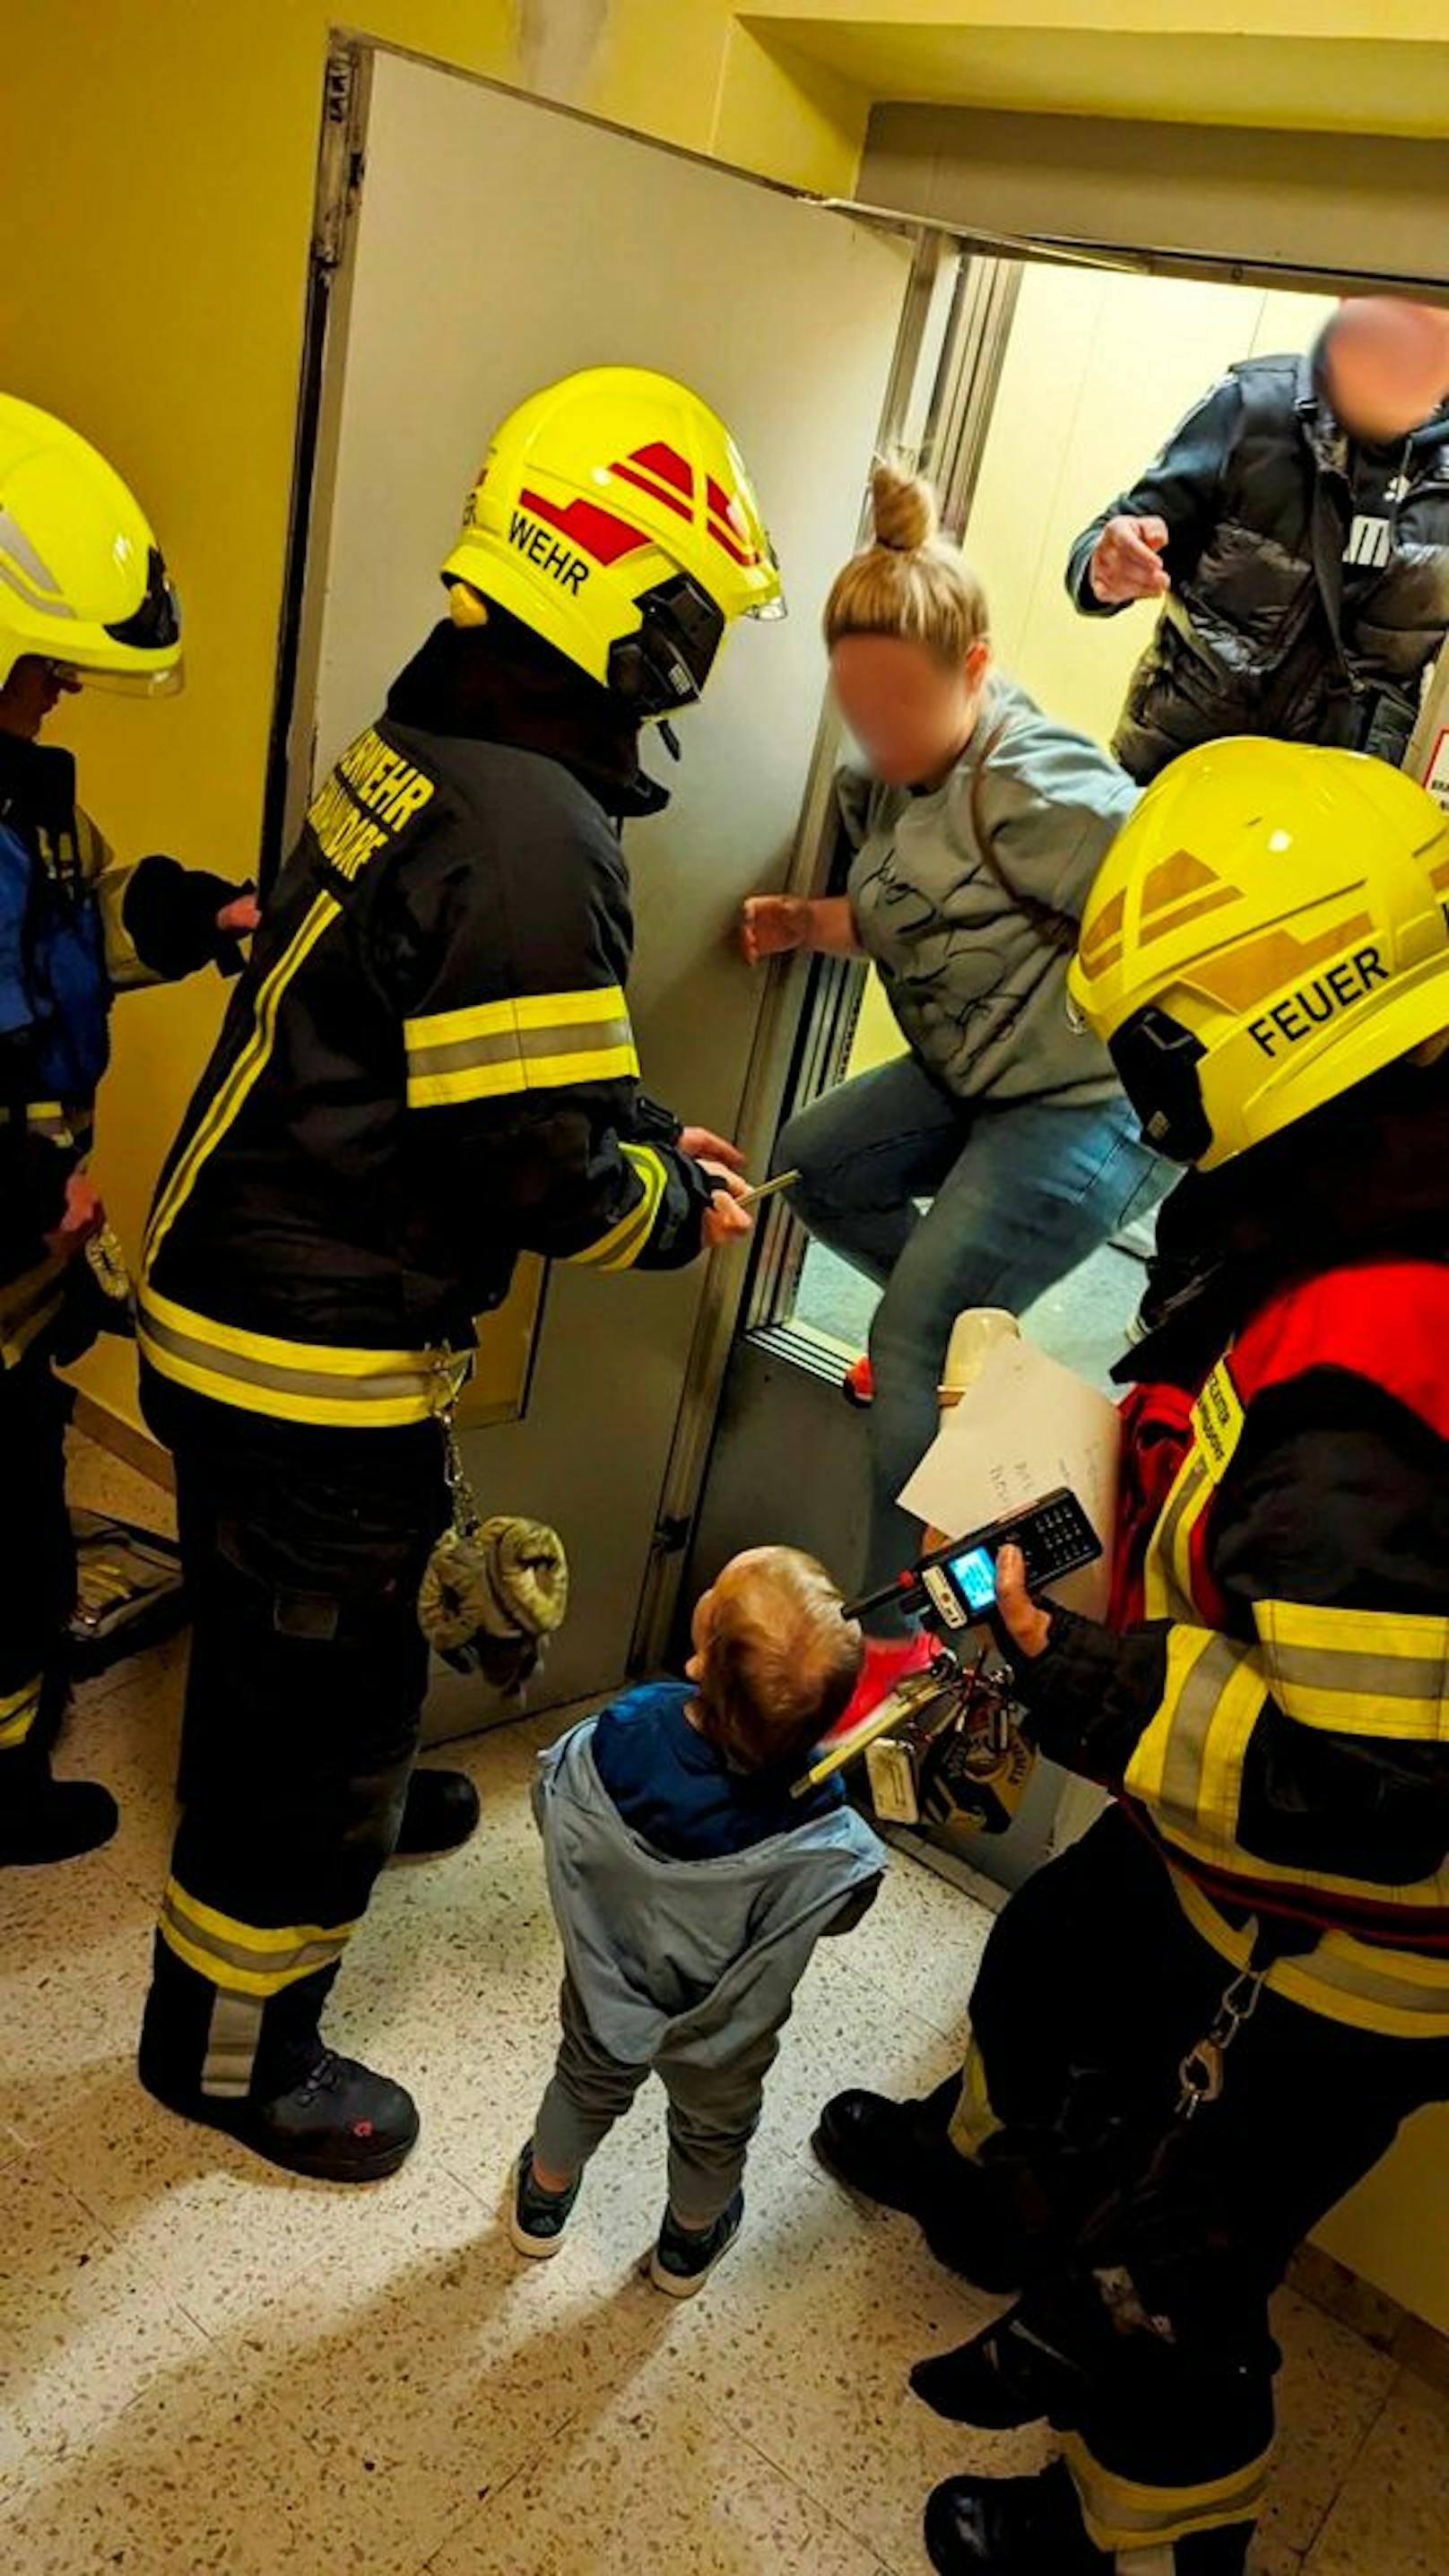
{"type": "Point", "coordinates": [779, 1370]}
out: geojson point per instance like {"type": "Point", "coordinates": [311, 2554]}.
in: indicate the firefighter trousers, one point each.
{"type": "Point", "coordinates": [303, 1552]}
{"type": "Point", "coordinates": [1159, 2242]}
{"type": "Point", "coordinates": [37, 1570]}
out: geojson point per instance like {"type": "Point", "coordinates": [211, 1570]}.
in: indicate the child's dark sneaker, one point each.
{"type": "Point", "coordinates": [536, 2218]}
{"type": "Point", "coordinates": [682, 2261]}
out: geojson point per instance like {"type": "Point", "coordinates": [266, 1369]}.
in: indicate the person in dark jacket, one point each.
{"type": "Point", "coordinates": [429, 1069]}
{"type": "Point", "coordinates": [83, 596]}
{"type": "Point", "coordinates": [1205, 2022]}
{"type": "Point", "coordinates": [1296, 530]}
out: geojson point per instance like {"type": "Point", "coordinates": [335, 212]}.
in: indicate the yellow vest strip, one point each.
{"type": "Point", "coordinates": [533, 1042]}
{"type": "Point", "coordinates": [246, 1958]}
{"type": "Point", "coordinates": [27, 1305]}
{"type": "Point", "coordinates": [1358, 1672]}
{"type": "Point", "coordinates": [234, 1092]}
{"type": "Point", "coordinates": [18, 1712]}
{"type": "Point", "coordinates": [294, 1381]}
{"type": "Point", "coordinates": [620, 1248]}
{"type": "Point", "coordinates": [1123, 2515]}
{"type": "Point", "coordinates": [1187, 1770]}
{"type": "Point", "coordinates": [1395, 1992]}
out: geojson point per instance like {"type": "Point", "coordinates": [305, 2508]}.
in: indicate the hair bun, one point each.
{"type": "Point", "coordinates": [904, 509]}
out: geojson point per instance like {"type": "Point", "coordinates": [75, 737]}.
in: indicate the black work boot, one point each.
{"type": "Point", "coordinates": [338, 2123]}
{"type": "Point", "coordinates": [442, 1810]}
{"type": "Point", "coordinates": [1004, 2378]}
{"type": "Point", "coordinates": [899, 2154]}
{"type": "Point", "coordinates": [45, 1820]}
{"type": "Point", "coordinates": [1010, 2527]}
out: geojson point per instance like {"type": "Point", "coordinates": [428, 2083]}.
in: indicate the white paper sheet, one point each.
{"type": "Point", "coordinates": [1025, 1427]}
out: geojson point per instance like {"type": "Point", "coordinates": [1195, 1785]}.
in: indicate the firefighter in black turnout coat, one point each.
{"type": "Point", "coordinates": [428, 1069]}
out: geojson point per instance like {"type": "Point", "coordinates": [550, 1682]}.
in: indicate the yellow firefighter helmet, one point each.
{"type": "Point", "coordinates": [1270, 927]}
{"type": "Point", "coordinates": [614, 515]}
{"type": "Point", "coordinates": [82, 581]}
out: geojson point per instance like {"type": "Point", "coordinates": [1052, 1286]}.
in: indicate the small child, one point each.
{"type": "Point", "coordinates": [690, 1889]}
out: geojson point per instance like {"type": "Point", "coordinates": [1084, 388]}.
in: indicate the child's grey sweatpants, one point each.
{"type": "Point", "coordinates": [713, 2112]}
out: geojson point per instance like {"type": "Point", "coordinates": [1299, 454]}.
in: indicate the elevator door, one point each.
{"type": "Point", "coordinates": [499, 245]}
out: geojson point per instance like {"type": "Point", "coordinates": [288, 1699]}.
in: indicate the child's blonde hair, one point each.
{"type": "Point", "coordinates": [780, 1662]}
{"type": "Point", "coordinates": [911, 581]}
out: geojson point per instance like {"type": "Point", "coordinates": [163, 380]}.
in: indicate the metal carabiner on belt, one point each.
{"type": "Point", "coordinates": [1200, 2076]}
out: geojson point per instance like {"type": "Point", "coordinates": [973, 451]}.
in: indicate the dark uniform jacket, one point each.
{"type": "Point", "coordinates": [76, 927]}
{"type": "Point", "coordinates": [429, 1065]}
{"type": "Point", "coordinates": [1310, 578]}
{"type": "Point", "coordinates": [1275, 1711]}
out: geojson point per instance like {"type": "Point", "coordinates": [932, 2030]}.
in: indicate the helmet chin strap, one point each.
{"type": "Point", "coordinates": [668, 737]}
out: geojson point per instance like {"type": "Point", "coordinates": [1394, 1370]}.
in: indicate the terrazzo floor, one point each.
{"type": "Point", "coordinates": [210, 2368]}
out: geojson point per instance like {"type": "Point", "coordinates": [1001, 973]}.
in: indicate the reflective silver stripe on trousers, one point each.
{"type": "Point", "coordinates": [282, 1964]}
{"type": "Point", "coordinates": [522, 1046]}
{"type": "Point", "coordinates": [233, 2037]}
{"type": "Point", "coordinates": [287, 1380]}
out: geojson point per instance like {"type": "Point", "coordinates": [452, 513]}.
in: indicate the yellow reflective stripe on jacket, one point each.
{"type": "Point", "coordinates": [317, 1382]}
{"type": "Point", "coordinates": [1121, 2514]}
{"type": "Point", "coordinates": [27, 1305]}
{"type": "Point", "coordinates": [1399, 1993]}
{"type": "Point", "coordinates": [251, 1062]}
{"type": "Point", "coordinates": [1167, 1574]}
{"type": "Point", "coordinates": [620, 1248]}
{"type": "Point", "coordinates": [531, 1042]}
{"type": "Point", "coordinates": [18, 1712]}
{"type": "Point", "coordinates": [247, 1958]}
{"type": "Point", "coordinates": [1187, 1765]}
{"type": "Point", "coordinates": [1187, 1770]}
{"type": "Point", "coordinates": [1358, 1672]}
{"type": "Point", "coordinates": [48, 1118]}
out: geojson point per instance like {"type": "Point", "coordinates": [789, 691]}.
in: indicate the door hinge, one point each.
{"type": "Point", "coordinates": [672, 1532]}
{"type": "Point", "coordinates": [339, 174]}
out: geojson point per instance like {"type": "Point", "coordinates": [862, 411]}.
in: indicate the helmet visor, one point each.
{"type": "Point", "coordinates": [135, 684]}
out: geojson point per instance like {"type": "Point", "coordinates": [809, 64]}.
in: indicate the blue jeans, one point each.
{"type": "Point", "coordinates": [1020, 1193]}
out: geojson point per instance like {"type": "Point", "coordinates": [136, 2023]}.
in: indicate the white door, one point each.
{"type": "Point", "coordinates": [501, 244]}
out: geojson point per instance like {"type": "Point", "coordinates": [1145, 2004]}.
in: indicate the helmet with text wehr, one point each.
{"type": "Point", "coordinates": [614, 515]}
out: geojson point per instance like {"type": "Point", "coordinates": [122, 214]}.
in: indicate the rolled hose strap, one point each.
{"type": "Point", "coordinates": [503, 1584]}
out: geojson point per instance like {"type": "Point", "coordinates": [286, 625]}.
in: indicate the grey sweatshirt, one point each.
{"type": "Point", "coordinates": [975, 982]}
{"type": "Point", "coordinates": [699, 1957]}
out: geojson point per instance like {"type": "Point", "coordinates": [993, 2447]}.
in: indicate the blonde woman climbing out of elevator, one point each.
{"type": "Point", "coordinates": [997, 1151]}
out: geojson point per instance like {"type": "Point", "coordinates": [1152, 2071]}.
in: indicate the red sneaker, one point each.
{"type": "Point", "coordinates": [859, 1384]}
{"type": "Point", "coordinates": [887, 1661]}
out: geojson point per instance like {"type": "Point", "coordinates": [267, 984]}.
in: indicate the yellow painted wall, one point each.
{"type": "Point", "coordinates": [155, 202]}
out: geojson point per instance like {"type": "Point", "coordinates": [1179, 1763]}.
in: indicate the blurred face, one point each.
{"type": "Point", "coordinates": [34, 689]}
{"type": "Point", "coordinates": [1387, 366]}
{"type": "Point", "coordinates": [911, 713]}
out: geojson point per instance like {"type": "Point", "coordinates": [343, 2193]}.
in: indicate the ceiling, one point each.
{"type": "Point", "coordinates": [1195, 74]}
